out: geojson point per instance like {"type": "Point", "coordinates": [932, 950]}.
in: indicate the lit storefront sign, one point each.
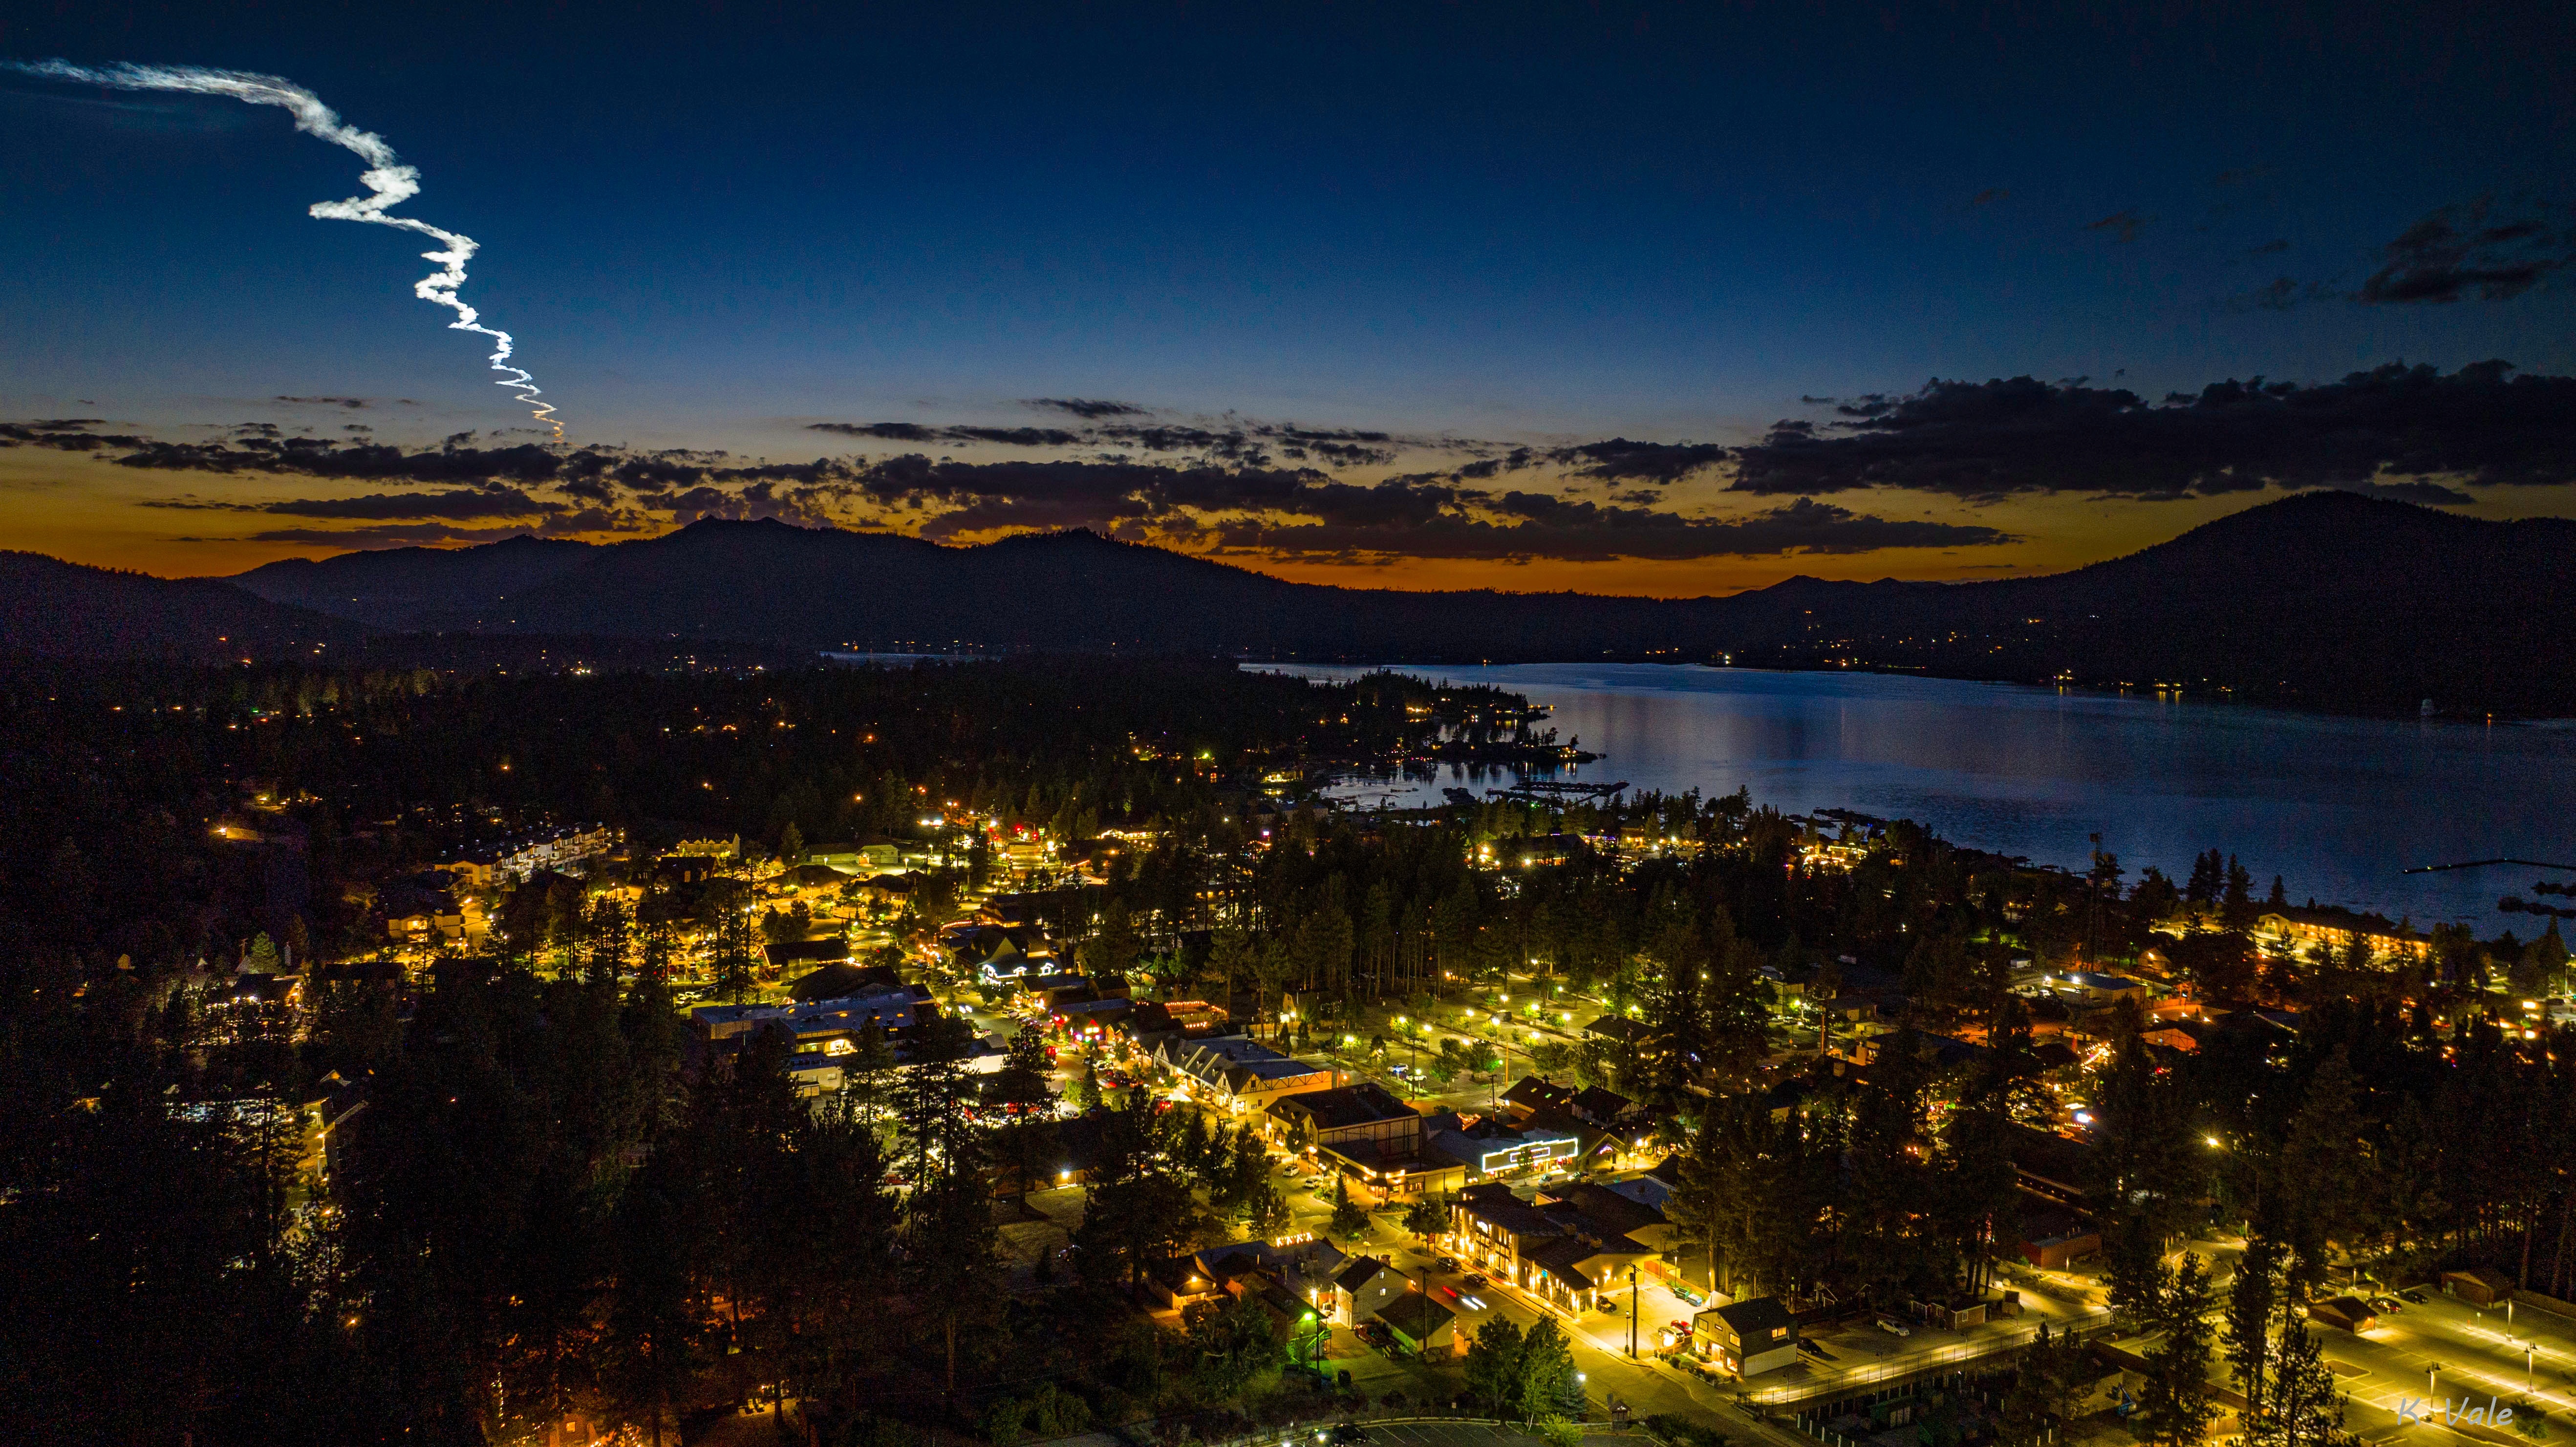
{"type": "Point", "coordinates": [1528, 1153]}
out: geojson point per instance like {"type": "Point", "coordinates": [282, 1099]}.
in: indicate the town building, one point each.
{"type": "Point", "coordinates": [1557, 1251]}
{"type": "Point", "coordinates": [1363, 1132]}
{"type": "Point", "coordinates": [1421, 1326]}
{"type": "Point", "coordinates": [1747, 1338]}
{"type": "Point", "coordinates": [1239, 1076]}
{"type": "Point", "coordinates": [2299, 929]}
{"type": "Point", "coordinates": [1490, 1149]}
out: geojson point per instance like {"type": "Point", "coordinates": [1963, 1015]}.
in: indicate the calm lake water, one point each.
{"type": "Point", "coordinates": [2336, 806]}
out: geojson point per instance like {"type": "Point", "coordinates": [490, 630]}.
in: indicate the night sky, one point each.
{"type": "Point", "coordinates": [1426, 295]}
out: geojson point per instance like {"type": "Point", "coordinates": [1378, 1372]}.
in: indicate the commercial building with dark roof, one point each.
{"type": "Point", "coordinates": [1749, 1337]}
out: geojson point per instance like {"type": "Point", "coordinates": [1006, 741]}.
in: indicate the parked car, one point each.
{"type": "Point", "coordinates": [1475, 1281]}
{"type": "Point", "coordinates": [1893, 1327]}
{"type": "Point", "coordinates": [1350, 1432]}
{"type": "Point", "coordinates": [2388, 1304]}
{"type": "Point", "coordinates": [1448, 1263]}
{"type": "Point", "coordinates": [2413, 1295]}
{"type": "Point", "coordinates": [1810, 1348]}
{"type": "Point", "coordinates": [1680, 1328]}
{"type": "Point", "coordinates": [1610, 1306]}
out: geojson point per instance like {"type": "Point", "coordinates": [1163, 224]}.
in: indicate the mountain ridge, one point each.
{"type": "Point", "coordinates": [2322, 599]}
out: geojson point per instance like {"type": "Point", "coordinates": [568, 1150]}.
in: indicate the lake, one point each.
{"type": "Point", "coordinates": [2336, 806]}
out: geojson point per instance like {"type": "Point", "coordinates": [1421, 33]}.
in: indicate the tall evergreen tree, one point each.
{"type": "Point", "coordinates": [2177, 1397]}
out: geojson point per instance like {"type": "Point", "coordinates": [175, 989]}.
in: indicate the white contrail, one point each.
{"type": "Point", "coordinates": [389, 183]}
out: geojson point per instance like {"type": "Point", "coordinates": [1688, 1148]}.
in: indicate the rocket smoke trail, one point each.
{"type": "Point", "coordinates": [389, 183]}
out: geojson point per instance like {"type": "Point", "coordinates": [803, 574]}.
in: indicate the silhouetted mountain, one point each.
{"type": "Point", "coordinates": [61, 609]}
{"type": "Point", "coordinates": [397, 587]}
{"type": "Point", "coordinates": [2324, 599]}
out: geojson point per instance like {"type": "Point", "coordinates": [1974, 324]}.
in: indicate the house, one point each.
{"type": "Point", "coordinates": [1000, 952]}
{"type": "Point", "coordinates": [1616, 1031]}
{"type": "Point", "coordinates": [1606, 1109]}
{"type": "Point", "coordinates": [1748, 1338]}
{"type": "Point", "coordinates": [808, 954]}
{"type": "Point", "coordinates": [2478, 1286]}
{"type": "Point", "coordinates": [1533, 1096]}
{"type": "Point", "coordinates": [842, 978]}
{"type": "Point", "coordinates": [890, 889]}
{"type": "Point", "coordinates": [1365, 1285]}
{"type": "Point", "coordinates": [673, 869]}
{"type": "Point", "coordinates": [1420, 1325]}
{"type": "Point", "coordinates": [1240, 1076]}
{"type": "Point", "coordinates": [866, 857]}
{"type": "Point", "coordinates": [1303, 1266]}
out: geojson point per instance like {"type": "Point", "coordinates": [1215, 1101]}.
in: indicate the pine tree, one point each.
{"type": "Point", "coordinates": [1493, 1366]}
{"type": "Point", "coordinates": [2176, 1396]}
{"type": "Point", "coordinates": [1549, 1383]}
{"type": "Point", "coordinates": [2303, 1408]}
{"type": "Point", "coordinates": [2249, 1313]}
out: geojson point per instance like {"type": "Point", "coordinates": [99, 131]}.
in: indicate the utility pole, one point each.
{"type": "Point", "coordinates": [1632, 1312]}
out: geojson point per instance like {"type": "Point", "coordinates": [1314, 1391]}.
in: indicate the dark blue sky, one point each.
{"type": "Point", "coordinates": [711, 225]}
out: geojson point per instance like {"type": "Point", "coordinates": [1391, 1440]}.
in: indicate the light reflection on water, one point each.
{"type": "Point", "coordinates": [2337, 806]}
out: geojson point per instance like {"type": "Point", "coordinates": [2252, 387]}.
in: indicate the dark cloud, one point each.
{"type": "Point", "coordinates": [1306, 513]}
{"type": "Point", "coordinates": [325, 401]}
{"type": "Point", "coordinates": [1981, 441]}
{"type": "Point", "coordinates": [915, 432]}
{"type": "Point", "coordinates": [1620, 460]}
{"type": "Point", "coordinates": [2426, 494]}
{"type": "Point", "coordinates": [2463, 251]}
{"type": "Point", "coordinates": [1987, 197]}
{"type": "Point", "coordinates": [461, 505]}
{"type": "Point", "coordinates": [1089, 409]}
{"type": "Point", "coordinates": [2282, 294]}
{"type": "Point", "coordinates": [1516, 460]}
{"type": "Point", "coordinates": [1538, 526]}
{"type": "Point", "coordinates": [2273, 247]}
{"type": "Point", "coordinates": [2122, 227]}
{"type": "Point", "coordinates": [63, 434]}
{"type": "Point", "coordinates": [890, 431]}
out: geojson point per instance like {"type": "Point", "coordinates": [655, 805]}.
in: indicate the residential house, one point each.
{"type": "Point", "coordinates": [1303, 1266]}
{"type": "Point", "coordinates": [1616, 1030]}
{"type": "Point", "coordinates": [865, 857]}
{"type": "Point", "coordinates": [1747, 1338]}
{"type": "Point", "coordinates": [808, 954]}
{"type": "Point", "coordinates": [1363, 1286]}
